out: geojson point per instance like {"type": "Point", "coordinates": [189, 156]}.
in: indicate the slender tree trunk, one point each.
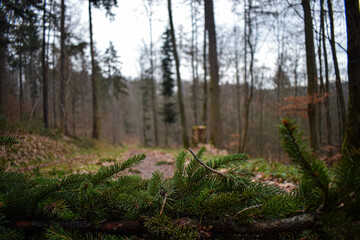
{"type": "Point", "coordinates": [153, 84]}
{"type": "Point", "coordinates": [241, 146]}
{"type": "Point", "coordinates": [205, 87]}
{"type": "Point", "coordinates": [178, 78]}
{"type": "Point", "coordinates": [261, 121]}
{"type": "Point", "coordinates": [237, 77]}
{"type": "Point", "coordinates": [53, 81]}
{"type": "Point", "coordinates": [322, 88]}
{"type": "Point", "coordinates": [339, 91]}
{"type": "Point", "coordinates": [216, 131]}
{"type": "Point", "coordinates": [166, 134]}
{"type": "Point", "coordinates": [352, 134]}
{"type": "Point", "coordinates": [327, 91]}
{"type": "Point", "coordinates": [193, 59]}
{"type": "Point", "coordinates": [96, 119]}
{"type": "Point", "coordinates": [44, 72]}
{"type": "Point", "coordinates": [311, 73]}
{"type": "Point", "coordinates": [62, 69]}
{"type": "Point", "coordinates": [248, 92]}
{"type": "Point", "coordinates": [73, 113]}
{"type": "Point", "coordinates": [21, 94]}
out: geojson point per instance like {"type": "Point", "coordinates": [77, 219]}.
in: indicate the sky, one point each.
{"type": "Point", "coordinates": [129, 31]}
{"type": "Point", "coordinates": [130, 28]}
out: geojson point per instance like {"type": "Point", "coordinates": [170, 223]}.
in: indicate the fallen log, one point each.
{"type": "Point", "coordinates": [293, 224]}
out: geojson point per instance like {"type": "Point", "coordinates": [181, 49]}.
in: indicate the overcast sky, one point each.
{"type": "Point", "coordinates": [130, 28]}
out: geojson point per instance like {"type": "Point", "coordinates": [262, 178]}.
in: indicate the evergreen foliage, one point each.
{"type": "Point", "coordinates": [332, 192]}
{"type": "Point", "coordinates": [168, 109]}
{"type": "Point", "coordinates": [202, 197]}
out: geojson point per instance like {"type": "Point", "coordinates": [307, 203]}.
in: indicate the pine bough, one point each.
{"type": "Point", "coordinates": [198, 202]}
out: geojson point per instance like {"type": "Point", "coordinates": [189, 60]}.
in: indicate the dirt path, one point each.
{"type": "Point", "coordinates": [155, 160]}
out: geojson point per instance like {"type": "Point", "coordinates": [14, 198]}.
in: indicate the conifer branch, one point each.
{"type": "Point", "coordinates": [206, 166]}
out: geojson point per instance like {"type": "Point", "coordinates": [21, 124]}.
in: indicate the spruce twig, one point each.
{"type": "Point", "coordinates": [206, 166]}
{"type": "Point", "coordinates": [246, 209]}
{"type": "Point", "coordinates": [163, 205]}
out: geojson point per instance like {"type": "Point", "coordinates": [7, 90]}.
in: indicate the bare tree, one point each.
{"type": "Point", "coordinates": [178, 79]}
{"type": "Point", "coordinates": [44, 70]}
{"type": "Point", "coordinates": [216, 130]}
{"type": "Point", "coordinates": [194, 60]}
{"type": "Point", "coordinates": [62, 70]}
{"type": "Point", "coordinates": [339, 91]}
{"type": "Point", "coordinates": [248, 92]}
{"type": "Point", "coordinates": [311, 73]}
{"type": "Point", "coordinates": [149, 10]}
{"type": "Point", "coordinates": [326, 89]}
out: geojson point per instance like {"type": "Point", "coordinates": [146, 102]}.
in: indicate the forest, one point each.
{"type": "Point", "coordinates": [99, 99]}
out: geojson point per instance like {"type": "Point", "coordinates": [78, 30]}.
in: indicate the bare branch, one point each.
{"type": "Point", "coordinates": [206, 166]}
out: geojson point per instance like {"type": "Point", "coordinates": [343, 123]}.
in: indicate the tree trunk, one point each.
{"type": "Point", "coordinates": [21, 94]}
{"type": "Point", "coordinates": [96, 119]}
{"type": "Point", "coordinates": [204, 116]}
{"type": "Point", "coordinates": [44, 72]}
{"type": "Point", "coordinates": [241, 146]}
{"type": "Point", "coordinates": [53, 81]}
{"type": "Point", "coordinates": [339, 91]}
{"type": "Point", "coordinates": [193, 59]}
{"type": "Point", "coordinates": [327, 92]}
{"type": "Point", "coordinates": [178, 78]}
{"type": "Point", "coordinates": [216, 130]}
{"type": "Point", "coordinates": [311, 74]}
{"type": "Point", "coordinates": [248, 93]}
{"type": "Point", "coordinates": [62, 69]}
{"type": "Point", "coordinates": [153, 84]}
{"type": "Point", "coordinates": [352, 134]}
{"type": "Point", "coordinates": [322, 87]}
{"type": "Point", "coordinates": [237, 77]}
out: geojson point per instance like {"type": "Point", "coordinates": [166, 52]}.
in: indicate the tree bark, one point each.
{"type": "Point", "coordinates": [44, 72]}
{"type": "Point", "coordinates": [311, 74]}
{"type": "Point", "coordinates": [153, 84]}
{"type": "Point", "coordinates": [248, 92]}
{"type": "Point", "coordinates": [205, 59]}
{"type": "Point", "coordinates": [96, 119]}
{"type": "Point", "coordinates": [216, 130]}
{"type": "Point", "coordinates": [21, 93]}
{"type": "Point", "coordinates": [237, 77]}
{"type": "Point", "coordinates": [339, 91]}
{"type": "Point", "coordinates": [352, 134]}
{"type": "Point", "coordinates": [185, 136]}
{"type": "Point", "coordinates": [327, 91]}
{"type": "Point", "coordinates": [193, 60]}
{"type": "Point", "coordinates": [293, 224]}
{"type": "Point", "coordinates": [62, 69]}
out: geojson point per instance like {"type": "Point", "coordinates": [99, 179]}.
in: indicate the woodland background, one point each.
{"type": "Point", "coordinates": [53, 76]}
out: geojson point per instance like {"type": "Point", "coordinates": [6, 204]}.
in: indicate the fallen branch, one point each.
{"type": "Point", "coordinates": [297, 223]}
{"type": "Point", "coordinates": [206, 166]}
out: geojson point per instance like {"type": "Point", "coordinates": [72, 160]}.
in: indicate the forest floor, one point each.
{"type": "Point", "coordinates": [55, 157]}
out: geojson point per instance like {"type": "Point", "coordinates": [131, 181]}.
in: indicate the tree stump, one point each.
{"type": "Point", "coordinates": [198, 135]}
